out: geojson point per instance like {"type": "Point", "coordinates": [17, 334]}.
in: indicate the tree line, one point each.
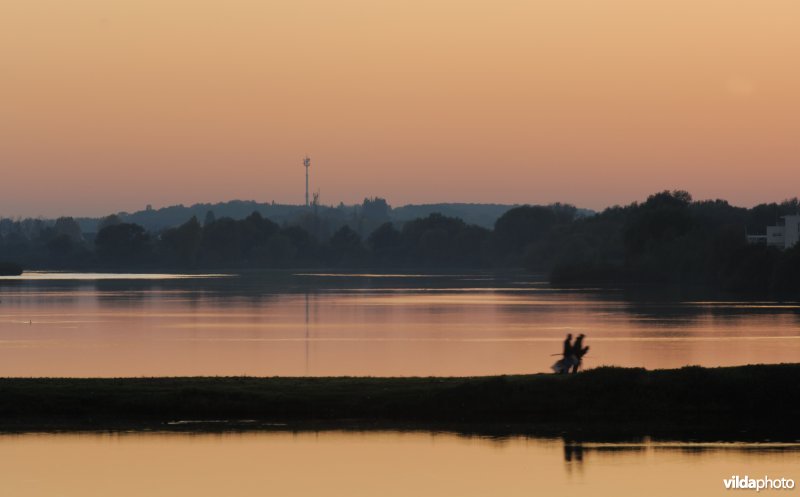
{"type": "Point", "coordinates": [669, 239]}
{"type": "Point", "coordinates": [433, 241]}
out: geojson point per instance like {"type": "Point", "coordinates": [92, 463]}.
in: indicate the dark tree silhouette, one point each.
{"type": "Point", "coordinates": [123, 243]}
{"type": "Point", "coordinates": [386, 245]}
{"type": "Point", "coordinates": [346, 248]}
{"type": "Point", "coordinates": [668, 239]}
{"type": "Point", "coordinates": [181, 246]}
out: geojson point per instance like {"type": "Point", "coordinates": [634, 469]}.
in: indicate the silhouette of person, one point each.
{"type": "Point", "coordinates": [567, 347]}
{"type": "Point", "coordinates": [567, 358]}
{"type": "Point", "coordinates": [578, 351]}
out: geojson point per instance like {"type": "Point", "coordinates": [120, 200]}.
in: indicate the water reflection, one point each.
{"type": "Point", "coordinates": [573, 452]}
{"type": "Point", "coordinates": [67, 276]}
{"type": "Point", "coordinates": [372, 463]}
{"type": "Point", "coordinates": [283, 324]}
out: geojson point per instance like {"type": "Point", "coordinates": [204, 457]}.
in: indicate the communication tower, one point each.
{"type": "Point", "coordinates": [307, 164]}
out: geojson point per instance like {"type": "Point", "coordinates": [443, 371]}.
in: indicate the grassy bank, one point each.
{"type": "Point", "coordinates": [733, 402]}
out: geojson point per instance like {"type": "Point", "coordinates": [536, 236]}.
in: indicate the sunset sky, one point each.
{"type": "Point", "coordinates": [112, 105]}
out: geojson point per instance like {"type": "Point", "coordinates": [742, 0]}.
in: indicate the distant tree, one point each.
{"type": "Point", "coordinates": [107, 221]}
{"type": "Point", "coordinates": [472, 247]}
{"type": "Point", "coordinates": [16, 246]}
{"type": "Point", "coordinates": [60, 246]}
{"type": "Point", "coordinates": [124, 243]}
{"type": "Point", "coordinates": [254, 233]}
{"type": "Point", "coordinates": [210, 218]}
{"type": "Point", "coordinates": [750, 269]}
{"type": "Point", "coordinates": [31, 228]}
{"type": "Point", "coordinates": [520, 227]}
{"type": "Point", "coordinates": [662, 218]}
{"type": "Point", "coordinates": [786, 273]}
{"type": "Point", "coordinates": [181, 245]}
{"type": "Point", "coordinates": [304, 246]}
{"type": "Point", "coordinates": [346, 248]}
{"type": "Point", "coordinates": [10, 268]}
{"type": "Point", "coordinates": [279, 251]}
{"type": "Point", "coordinates": [386, 244]}
{"type": "Point", "coordinates": [432, 240]}
{"type": "Point", "coordinates": [221, 243]}
{"type": "Point", "coordinates": [312, 223]}
{"type": "Point", "coordinates": [667, 239]}
{"type": "Point", "coordinates": [69, 227]}
{"type": "Point", "coordinates": [375, 208]}
{"type": "Point", "coordinates": [763, 215]}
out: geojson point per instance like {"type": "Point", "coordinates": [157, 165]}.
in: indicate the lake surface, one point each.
{"type": "Point", "coordinates": [277, 323]}
{"type": "Point", "coordinates": [372, 464]}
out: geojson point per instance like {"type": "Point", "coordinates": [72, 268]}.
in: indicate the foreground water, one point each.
{"type": "Point", "coordinates": [327, 324]}
{"type": "Point", "coordinates": [374, 463]}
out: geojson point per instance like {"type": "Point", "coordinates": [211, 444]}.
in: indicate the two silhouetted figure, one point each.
{"type": "Point", "coordinates": [572, 355]}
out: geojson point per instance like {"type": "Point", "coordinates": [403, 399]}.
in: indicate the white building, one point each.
{"type": "Point", "coordinates": [783, 236]}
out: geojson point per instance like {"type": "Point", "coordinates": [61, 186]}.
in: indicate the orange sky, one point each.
{"type": "Point", "coordinates": [111, 105]}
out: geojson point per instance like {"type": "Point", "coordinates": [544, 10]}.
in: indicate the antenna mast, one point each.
{"type": "Point", "coordinates": [307, 164]}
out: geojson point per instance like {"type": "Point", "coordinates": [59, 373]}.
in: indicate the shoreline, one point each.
{"type": "Point", "coordinates": [730, 403]}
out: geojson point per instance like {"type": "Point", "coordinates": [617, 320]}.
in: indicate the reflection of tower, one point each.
{"type": "Point", "coordinates": [306, 333]}
{"type": "Point", "coordinates": [307, 164]}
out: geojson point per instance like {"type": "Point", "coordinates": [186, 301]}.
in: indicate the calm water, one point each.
{"type": "Point", "coordinates": [312, 324]}
{"type": "Point", "coordinates": [374, 464]}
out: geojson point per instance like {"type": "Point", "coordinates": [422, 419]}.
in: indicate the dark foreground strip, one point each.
{"type": "Point", "coordinates": [736, 400]}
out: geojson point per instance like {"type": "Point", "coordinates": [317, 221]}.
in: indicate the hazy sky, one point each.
{"type": "Point", "coordinates": [111, 105]}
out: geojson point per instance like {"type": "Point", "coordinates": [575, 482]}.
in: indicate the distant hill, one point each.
{"type": "Point", "coordinates": [481, 214]}
{"type": "Point", "coordinates": [167, 217]}
{"type": "Point", "coordinates": [159, 219]}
